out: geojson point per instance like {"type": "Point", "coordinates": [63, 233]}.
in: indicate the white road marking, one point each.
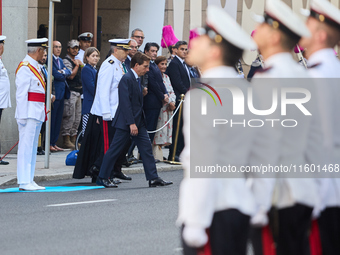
{"type": "Point", "coordinates": [84, 202]}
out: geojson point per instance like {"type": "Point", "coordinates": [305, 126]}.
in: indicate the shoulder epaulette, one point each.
{"type": "Point", "coordinates": [111, 61]}
{"type": "Point", "coordinates": [25, 63]}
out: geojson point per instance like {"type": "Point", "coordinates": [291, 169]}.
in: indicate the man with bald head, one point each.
{"type": "Point", "coordinates": [59, 72]}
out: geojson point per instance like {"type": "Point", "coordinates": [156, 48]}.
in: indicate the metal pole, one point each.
{"type": "Point", "coordinates": [49, 85]}
{"type": "Point", "coordinates": [172, 161]}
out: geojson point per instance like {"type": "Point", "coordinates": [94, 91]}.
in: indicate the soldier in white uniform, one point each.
{"type": "Point", "coordinates": [294, 198]}
{"type": "Point", "coordinates": [105, 102]}
{"type": "Point", "coordinates": [85, 40]}
{"type": "Point", "coordinates": [324, 24]}
{"type": "Point", "coordinates": [30, 111]}
{"type": "Point", "coordinates": [5, 86]}
{"type": "Point", "coordinates": [215, 212]}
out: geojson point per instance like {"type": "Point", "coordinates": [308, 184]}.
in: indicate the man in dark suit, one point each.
{"type": "Point", "coordinates": [130, 121]}
{"type": "Point", "coordinates": [59, 72]}
{"type": "Point", "coordinates": [157, 93]}
{"type": "Point", "coordinates": [179, 74]}
{"type": "Point", "coordinates": [132, 52]}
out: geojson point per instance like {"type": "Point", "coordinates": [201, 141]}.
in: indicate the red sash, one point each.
{"type": "Point", "coordinates": [37, 97]}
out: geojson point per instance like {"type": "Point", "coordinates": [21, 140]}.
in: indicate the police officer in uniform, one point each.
{"type": "Point", "coordinates": [324, 23]}
{"type": "Point", "coordinates": [30, 111]}
{"type": "Point", "coordinates": [85, 40]}
{"type": "Point", "coordinates": [214, 212]}
{"type": "Point", "coordinates": [293, 198]}
{"type": "Point", "coordinates": [105, 102]}
{"type": "Point", "coordinates": [5, 87]}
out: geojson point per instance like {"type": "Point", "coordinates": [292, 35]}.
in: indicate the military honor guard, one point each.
{"type": "Point", "coordinates": [214, 213]}
{"type": "Point", "coordinates": [30, 111]}
{"type": "Point", "coordinates": [85, 40]}
{"type": "Point", "coordinates": [324, 23]}
{"type": "Point", "coordinates": [129, 121]}
{"type": "Point", "coordinates": [106, 102]}
{"type": "Point", "coordinates": [5, 86]}
{"type": "Point", "coordinates": [291, 199]}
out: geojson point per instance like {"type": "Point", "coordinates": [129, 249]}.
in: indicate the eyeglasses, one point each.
{"type": "Point", "coordinates": [140, 37]}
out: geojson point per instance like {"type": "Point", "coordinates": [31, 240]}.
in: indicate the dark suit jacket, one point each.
{"type": "Point", "coordinates": [156, 89]}
{"type": "Point", "coordinates": [178, 77]}
{"type": "Point", "coordinates": [88, 78]}
{"type": "Point", "coordinates": [61, 87]}
{"type": "Point", "coordinates": [130, 108]}
{"type": "Point", "coordinates": [127, 64]}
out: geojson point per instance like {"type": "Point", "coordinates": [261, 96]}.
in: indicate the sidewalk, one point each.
{"type": "Point", "coordinates": [59, 171]}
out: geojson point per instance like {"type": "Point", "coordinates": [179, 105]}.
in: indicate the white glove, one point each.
{"type": "Point", "coordinates": [260, 219]}
{"type": "Point", "coordinates": [316, 212]}
{"type": "Point", "coordinates": [195, 236]}
{"type": "Point", "coordinates": [107, 117]}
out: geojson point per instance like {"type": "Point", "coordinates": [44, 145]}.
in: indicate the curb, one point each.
{"type": "Point", "coordinates": [67, 176]}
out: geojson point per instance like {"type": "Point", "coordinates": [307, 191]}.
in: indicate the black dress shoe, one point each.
{"type": "Point", "coordinates": [158, 182]}
{"type": "Point", "coordinates": [42, 152]}
{"type": "Point", "coordinates": [132, 160]}
{"type": "Point", "coordinates": [176, 158]}
{"type": "Point", "coordinates": [106, 183]}
{"type": "Point", "coordinates": [3, 162]}
{"type": "Point", "coordinates": [94, 171]}
{"type": "Point", "coordinates": [115, 181]}
{"type": "Point", "coordinates": [122, 176]}
{"type": "Point", "coordinates": [127, 163]}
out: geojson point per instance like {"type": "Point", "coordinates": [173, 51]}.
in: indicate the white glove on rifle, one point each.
{"type": "Point", "coordinates": [260, 219]}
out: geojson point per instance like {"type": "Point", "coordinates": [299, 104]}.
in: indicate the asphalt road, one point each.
{"type": "Point", "coordinates": [141, 220]}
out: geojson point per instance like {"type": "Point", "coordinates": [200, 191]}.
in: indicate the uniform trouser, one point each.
{"type": "Point", "coordinates": [56, 118]}
{"type": "Point", "coordinates": [329, 226]}
{"type": "Point", "coordinates": [227, 234]}
{"type": "Point", "coordinates": [29, 130]}
{"type": "Point", "coordinates": [72, 115]}
{"type": "Point", "coordinates": [119, 142]}
{"type": "Point", "coordinates": [0, 114]}
{"type": "Point", "coordinates": [293, 230]}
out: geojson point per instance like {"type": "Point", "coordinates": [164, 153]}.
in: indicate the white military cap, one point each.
{"type": "Point", "coordinates": [325, 12]}
{"type": "Point", "coordinates": [221, 25]}
{"type": "Point", "coordinates": [2, 38]}
{"type": "Point", "coordinates": [278, 15]}
{"type": "Point", "coordinates": [37, 42]}
{"type": "Point", "coordinates": [123, 43]}
{"type": "Point", "coordinates": [87, 36]}
{"type": "Point", "coordinates": [73, 43]}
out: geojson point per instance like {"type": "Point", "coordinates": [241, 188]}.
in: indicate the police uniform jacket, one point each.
{"type": "Point", "coordinates": [27, 82]}
{"type": "Point", "coordinates": [5, 87]}
{"type": "Point", "coordinates": [106, 97]}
